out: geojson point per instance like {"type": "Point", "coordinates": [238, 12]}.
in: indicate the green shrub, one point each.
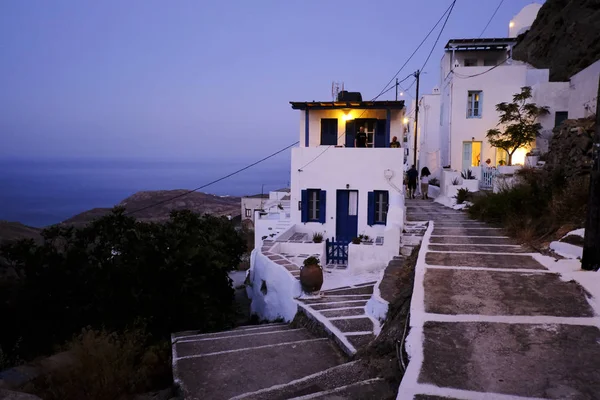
{"type": "Point", "coordinates": [462, 195]}
{"type": "Point", "coordinates": [115, 271]}
{"type": "Point", "coordinates": [434, 182]}
{"type": "Point", "coordinates": [108, 365]}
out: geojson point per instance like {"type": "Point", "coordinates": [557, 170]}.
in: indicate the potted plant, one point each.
{"type": "Point", "coordinates": [470, 181]}
{"type": "Point", "coordinates": [317, 237]}
{"type": "Point", "coordinates": [311, 275]}
{"type": "Point", "coordinates": [453, 187]}
{"type": "Point", "coordinates": [356, 240]}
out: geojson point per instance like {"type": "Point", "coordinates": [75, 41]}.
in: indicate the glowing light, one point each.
{"type": "Point", "coordinates": [401, 93]}
{"type": "Point", "coordinates": [347, 116]}
{"type": "Point", "coordinates": [405, 120]}
{"type": "Point", "coordinates": [511, 24]}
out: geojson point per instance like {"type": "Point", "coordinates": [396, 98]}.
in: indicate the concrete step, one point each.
{"type": "Point", "coordinates": [227, 364]}
{"type": "Point", "coordinates": [316, 384]}
{"type": "Point", "coordinates": [374, 388]}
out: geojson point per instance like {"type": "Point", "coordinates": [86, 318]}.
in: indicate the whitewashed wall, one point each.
{"type": "Point", "coordinates": [498, 85]}
{"type": "Point", "coordinates": [281, 288]}
{"type": "Point", "coordinates": [583, 92]}
{"type": "Point", "coordinates": [361, 169]}
{"type": "Point", "coordinates": [555, 96]}
{"type": "Point", "coordinates": [523, 20]}
{"type": "Point", "coordinates": [430, 153]}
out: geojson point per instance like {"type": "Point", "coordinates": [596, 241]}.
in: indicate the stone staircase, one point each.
{"type": "Point", "coordinates": [342, 313]}
{"type": "Point", "coordinates": [272, 361]}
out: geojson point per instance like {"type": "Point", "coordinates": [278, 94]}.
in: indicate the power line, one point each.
{"type": "Point", "coordinates": [386, 88]}
{"type": "Point", "coordinates": [461, 76]}
{"type": "Point", "coordinates": [491, 18]}
{"type": "Point", "coordinates": [419, 46]}
{"type": "Point", "coordinates": [343, 133]}
{"type": "Point", "coordinates": [439, 34]}
{"type": "Point", "coordinates": [212, 182]}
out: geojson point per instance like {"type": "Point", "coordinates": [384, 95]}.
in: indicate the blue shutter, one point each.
{"type": "Point", "coordinates": [371, 209]}
{"type": "Point", "coordinates": [304, 202]}
{"type": "Point", "coordinates": [480, 104]}
{"type": "Point", "coordinates": [322, 207]}
{"type": "Point", "coordinates": [387, 206]}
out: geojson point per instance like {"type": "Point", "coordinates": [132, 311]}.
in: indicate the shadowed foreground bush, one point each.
{"type": "Point", "coordinates": [537, 207]}
{"type": "Point", "coordinates": [114, 272]}
{"type": "Point", "coordinates": [108, 366]}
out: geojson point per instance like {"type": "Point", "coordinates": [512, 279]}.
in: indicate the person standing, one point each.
{"type": "Point", "coordinates": [425, 183]}
{"type": "Point", "coordinates": [412, 176]}
{"type": "Point", "coordinates": [361, 138]}
{"type": "Point", "coordinates": [395, 143]}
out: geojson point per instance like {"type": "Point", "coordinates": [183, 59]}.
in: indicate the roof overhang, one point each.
{"type": "Point", "coordinates": [480, 44]}
{"type": "Point", "coordinates": [336, 105]}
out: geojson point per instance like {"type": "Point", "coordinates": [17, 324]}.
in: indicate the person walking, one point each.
{"type": "Point", "coordinates": [425, 183]}
{"type": "Point", "coordinates": [412, 176]}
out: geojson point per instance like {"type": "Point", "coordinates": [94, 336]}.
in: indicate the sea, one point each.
{"type": "Point", "coordinates": [44, 192]}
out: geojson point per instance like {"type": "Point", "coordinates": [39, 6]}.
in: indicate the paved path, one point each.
{"type": "Point", "coordinates": [489, 321]}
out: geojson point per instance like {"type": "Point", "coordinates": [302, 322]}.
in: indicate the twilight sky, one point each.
{"type": "Point", "coordinates": [193, 79]}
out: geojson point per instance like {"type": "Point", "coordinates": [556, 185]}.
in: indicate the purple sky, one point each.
{"type": "Point", "coordinates": [193, 80]}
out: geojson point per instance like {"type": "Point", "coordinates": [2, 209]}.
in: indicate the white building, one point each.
{"type": "Point", "coordinates": [475, 75]}
{"type": "Point", "coordinates": [337, 189]}
{"type": "Point", "coordinates": [274, 201]}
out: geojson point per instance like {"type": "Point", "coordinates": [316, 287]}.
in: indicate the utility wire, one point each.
{"type": "Point", "coordinates": [461, 76]}
{"type": "Point", "coordinates": [420, 44]}
{"type": "Point", "coordinates": [439, 34]}
{"type": "Point", "coordinates": [343, 133]}
{"type": "Point", "coordinates": [491, 18]}
{"type": "Point", "coordinates": [212, 182]}
{"type": "Point", "coordinates": [386, 88]}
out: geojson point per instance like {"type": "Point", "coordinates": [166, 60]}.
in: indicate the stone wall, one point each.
{"type": "Point", "coordinates": [571, 146]}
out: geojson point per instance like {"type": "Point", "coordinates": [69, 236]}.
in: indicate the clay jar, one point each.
{"type": "Point", "coordinates": [311, 275]}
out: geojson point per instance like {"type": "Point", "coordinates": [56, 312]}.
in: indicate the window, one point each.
{"type": "Point", "coordinates": [248, 213]}
{"type": "Point", "coordinates": [313, 205]}
{"type": "Point", "coordinates": [378, 207]}
{"type": "Point", "coordinates": [329, 131]}
{"type": "Point", "coordinates": [474, 104]}
{"type": "Point", "coordinates": [559, 117]}
{"type": "Point", "coordinates": [470, 62]}
{"type": "Point", "coordinates": [489, 62]}
{"type": "Point", "coordinates": [381, 206]}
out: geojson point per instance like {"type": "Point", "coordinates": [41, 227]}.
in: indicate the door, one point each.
{"type": "Point", "coordinates": [467, 155]}
{"type": "Point", "coordinates": [350, 133]}
{"type": "Point", "coordinates": [380, 133]}
{"type": "Point", "coordinates": [346, 225]}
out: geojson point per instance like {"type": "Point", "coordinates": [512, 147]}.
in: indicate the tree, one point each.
{"type": "Point", "coordinates": [519, 119]}
{"type": "Point", "coordinates": [115, 271]}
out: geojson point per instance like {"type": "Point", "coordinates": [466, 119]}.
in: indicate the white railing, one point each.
{"type": "Point", "coordinates": [487, 177]}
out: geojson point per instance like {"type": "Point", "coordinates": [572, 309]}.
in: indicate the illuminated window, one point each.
{"type": "Point", "coordinates": [474, 104]}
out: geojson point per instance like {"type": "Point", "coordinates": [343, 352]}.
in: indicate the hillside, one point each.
{"type": "Point", "coordinates": [565, 37]}
{"type": "Point", "coordinates": [16, 231]}
{"type": "Point", "coordinates": [197, 202]}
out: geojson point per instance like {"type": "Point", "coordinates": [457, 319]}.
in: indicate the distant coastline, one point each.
{"type": "Point", "coordinates": [39, 193]}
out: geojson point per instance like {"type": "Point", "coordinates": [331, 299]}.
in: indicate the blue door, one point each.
{"type": "Point", "coordinates": [346, 225]}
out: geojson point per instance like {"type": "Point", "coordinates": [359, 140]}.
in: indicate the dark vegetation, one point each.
{"type": "Point", "coordinates": [542, 205]}
{"type": "Point", "coordinates": [382, 354]}
{"type": "Point", "coordinates": [128, 284]}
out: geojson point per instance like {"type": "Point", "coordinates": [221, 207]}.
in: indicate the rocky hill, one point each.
{"type": "Point", "coordinates": [565, 37]}
{"type": "Point", "coordinates": [16, 231]}
{"type": "Point", "coordinates": [198, 202]}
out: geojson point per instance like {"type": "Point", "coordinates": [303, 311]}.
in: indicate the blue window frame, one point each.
{"type": "Point", "coordinates": [329, 131]}
{"type": "Point", "coordinates": [313, 205]}
{"type": "Point", "coordinates": [474, 103]}
{"type": "Point", "coordinates": [378, 204]}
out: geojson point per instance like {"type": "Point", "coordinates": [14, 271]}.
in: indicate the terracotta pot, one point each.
{"type": "Point", "coordinates": [311, 278]}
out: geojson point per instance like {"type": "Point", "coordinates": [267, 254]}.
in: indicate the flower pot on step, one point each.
{"type": "Point", "coordinates": [311, 278]}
